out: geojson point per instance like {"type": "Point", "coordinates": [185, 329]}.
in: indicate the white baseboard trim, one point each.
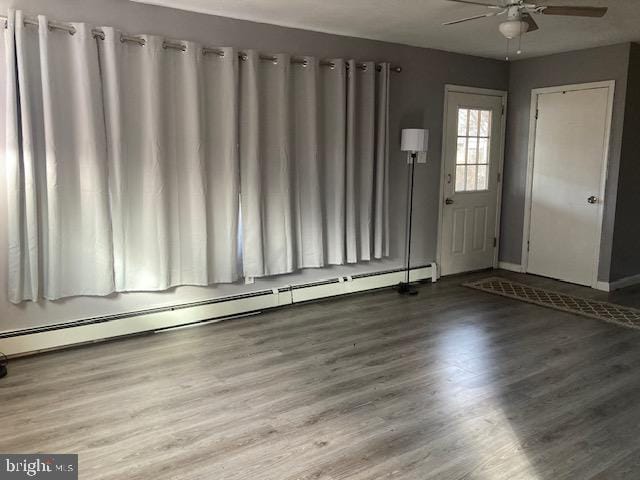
{"type": "Point", "coordinates": [30, 341]}
{"type": "Point", "coordinates": [625, 282]}
{"type": "Point", "coordinates": [512, 267]}
{"type": "Point", "coordinates": [618, 284]}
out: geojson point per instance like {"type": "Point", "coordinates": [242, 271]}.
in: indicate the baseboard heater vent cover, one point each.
{"type": "Point", "coordinates": [33, 340]}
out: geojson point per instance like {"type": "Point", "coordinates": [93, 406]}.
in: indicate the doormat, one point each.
{"type": "Point", "coordinates": [609, 312]}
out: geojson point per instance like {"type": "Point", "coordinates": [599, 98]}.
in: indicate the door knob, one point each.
{"type": "Point", "coordinates": [448, 201]}
{"type": "Point", "coordinates": [592, 199]}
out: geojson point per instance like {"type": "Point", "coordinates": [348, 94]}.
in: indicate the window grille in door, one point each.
{"type": "Point", "coordinates": [472, 157]}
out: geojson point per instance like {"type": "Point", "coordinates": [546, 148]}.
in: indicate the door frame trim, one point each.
{"type": "Point", "coordinates": [449, 88]}
{"type": "Point", "coordinates": [526, 227]}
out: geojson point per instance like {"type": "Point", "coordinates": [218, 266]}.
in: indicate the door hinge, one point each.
{"type": "Point", "coordinates": [499, 177]}
{"type": "Point", "coordinates": [495, 242]}
{"type": "Point", "coordinates": [537, 113]}
{"type": "Point", "coordinates": [502, 110]}
{"type": "Point", "coordinates": [528, 245]}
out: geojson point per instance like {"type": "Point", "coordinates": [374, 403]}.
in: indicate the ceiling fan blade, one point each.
{"type": "Point", "coordinates": [475, 17]}
{"type": "Point", "coordinates": [533, 26]}
{"type": "Point", "coordinates": [595, 12]}
{"type": "Point", "coordinates": [470, 2]}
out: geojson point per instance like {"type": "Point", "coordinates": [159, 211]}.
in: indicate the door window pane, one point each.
{"type": "Point", "coordinates": [461, 155]}
{"type": "Point", "coordinates": [460, 178]}
{"type": "Point", "coordinates": [471, 178]}
{"type": "Point", "coordinates": [473, 123]}
{"type": "Point", "coordinates": [483, 151]}
{"type": "Point", "coordinates": [485, 123]}
{"type": "Point", "coordinates": [483, 180]}
{"type": "Point", "coordinates": [473, 150]}
{"type": "Point", "coordinates": [463, 118]}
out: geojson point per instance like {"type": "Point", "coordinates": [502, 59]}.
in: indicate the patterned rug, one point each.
{"type": "Point", "coordinates": [609, 312]}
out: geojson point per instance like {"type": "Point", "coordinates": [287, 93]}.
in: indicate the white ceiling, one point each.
{"type": "Point", "coordinates": [419, 22]}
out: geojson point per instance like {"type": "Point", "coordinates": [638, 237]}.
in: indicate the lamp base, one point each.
{"type": "Point", "coordinates": [406, 289]}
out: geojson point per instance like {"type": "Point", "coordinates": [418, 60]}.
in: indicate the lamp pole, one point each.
{"type": "Point", "coordinates": [406, 288]}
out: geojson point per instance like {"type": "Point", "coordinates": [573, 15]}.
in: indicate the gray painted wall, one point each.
{"type": "Point", "coordinates": [417, 97]}
{"type": "Point", "coordinates": [592, 65]}
{"type": "Point", "coordinates": [625, 261]}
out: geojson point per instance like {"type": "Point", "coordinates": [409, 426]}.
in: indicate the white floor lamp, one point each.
{"type": "Point", "coordinates": [414, 141]}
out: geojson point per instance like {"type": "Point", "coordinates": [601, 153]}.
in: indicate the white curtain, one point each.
{"type": "Point", "coordinates": [314, 154]}
{"type": "Point", "coordinates": [130, 165]}
{"type": "Point", "coordinates": [306, 155]}
{"type": "Point", "coordinates": [381, 169]}
{"type": "Point", "coordinates": [171, 132]}
{"type": "Point", "coordinates": [222, 164]}
{"type": "Point", "coordinates": [267, 209]}
{"type": "Point", "coordinates": [367, 162]}
{"type": "Point", "coordinates": [334, 149]}
{"type": "Point", "coordinates": [59, 231]}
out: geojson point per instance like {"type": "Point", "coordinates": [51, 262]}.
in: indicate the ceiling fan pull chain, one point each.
{"type": "Point", "coordinates": [519, 51]}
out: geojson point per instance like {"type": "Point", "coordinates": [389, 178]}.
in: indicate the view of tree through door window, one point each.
{"type": "Point", "coordinates": [472, 158]}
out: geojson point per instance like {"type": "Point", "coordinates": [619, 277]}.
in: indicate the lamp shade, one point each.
{"type": "Point", "coordinates": [414, 140]}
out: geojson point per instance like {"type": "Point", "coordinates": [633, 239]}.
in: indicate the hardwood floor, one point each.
{"type": "Point", "coordinates": [450, 384]}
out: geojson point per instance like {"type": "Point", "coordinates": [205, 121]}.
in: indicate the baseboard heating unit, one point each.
{"type": "Point", "coordinates": [32, 340]}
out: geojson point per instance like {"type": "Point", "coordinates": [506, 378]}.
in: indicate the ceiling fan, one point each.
{"type": "Point", "coordinates": [519, 19]}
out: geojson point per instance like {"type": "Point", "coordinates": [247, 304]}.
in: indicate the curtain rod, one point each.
{"type": "Point", "coordinates": [99, 34]}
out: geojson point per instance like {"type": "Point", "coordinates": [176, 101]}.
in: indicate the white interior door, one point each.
{"type": "Point", "coordinates": [473, 151]}
{"type": "Point", "coordinates": [570, 151]}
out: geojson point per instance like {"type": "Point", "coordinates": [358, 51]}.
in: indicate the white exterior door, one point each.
{"type": "Point", "coordinates": [569, 159]}
{"type": "Point", "coordinates": [472, 162]}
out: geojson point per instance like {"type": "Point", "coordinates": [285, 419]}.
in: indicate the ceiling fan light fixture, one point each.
{"type": "Point", "coordinates": [513, 28]}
